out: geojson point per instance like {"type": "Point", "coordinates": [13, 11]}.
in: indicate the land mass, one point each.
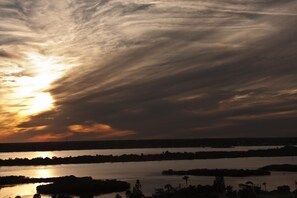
{"type": "Point", "coordinates": [281, 167]}
{"type": "Point", "coordinates": [277, 152]}
{"type": "Point", "coordinates": [69, 185]}
{"type": "Point", "coordinates": [218, 172]}
{"type": "Point", "coordinates": [87, 187]}
{"type": "Point", "coordinates": [160, 143]}
{"type": "Point", "coordinates": [265, 170]}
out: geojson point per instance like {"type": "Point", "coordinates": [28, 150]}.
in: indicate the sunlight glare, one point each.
{"type": "Point", "coordinates": [47, 68]}
{"type": "Point", "coordinates": [43, 173]}
{"type": "Point", "coordinates": [33, 88]}
{"type": "Point", "coordinates": [39, 103]}
{"type": "Point", "coordinates": [26, 87]}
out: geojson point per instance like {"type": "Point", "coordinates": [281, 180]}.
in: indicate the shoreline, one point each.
{"type": "Point", "coordinates": [165, 156]}
{"type": "Point", "coordinates": [157, 143]}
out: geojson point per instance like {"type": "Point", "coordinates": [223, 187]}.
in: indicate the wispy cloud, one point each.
{"type": "Point", "coordinates": [148, 69]}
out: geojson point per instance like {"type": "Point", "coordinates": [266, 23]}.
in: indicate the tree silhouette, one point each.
{"type": "Point", "coordinates": [168, 188]}
{"type": "Point", "coordinates": [230, 192]}
{"type": "Point", "coordinates": [136, 191]}
{"type": "Point", "coordinates": [284, 188]}
{"type": "Point", "coordinates": [249, 183]}
{"type": "Point", "coordinates": [118, 195]}
{"type": "Point", "coordinates": [264, 184]}
{"type": "Point", "coordinates": [186, 178]}
{"type": "Point", "coordinates": [219, 184]}
{"type": "Point", "coordinates": [37, 196]}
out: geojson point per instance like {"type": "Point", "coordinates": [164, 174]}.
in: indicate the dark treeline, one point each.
{"type": "Point", "coordinates": [83, 187]}
{"type": "Point", "coordinates": [69, 185]}
{"type": "Point", "coordinates": [284, 151]}
{"type": "Point", "coordinates": [218, 172]}
{"type": "Point", "coordinates": [265, 170]}
{"type": "Point", "coordinates": [281, 167]}
{"type": "Point", "coordinates": [165, 143]}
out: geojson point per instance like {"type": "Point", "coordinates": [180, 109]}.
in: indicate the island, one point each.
{"type": "Point", "coordinates": [275, 152]}
{"type": "Point", "coordinates": [69, 185]}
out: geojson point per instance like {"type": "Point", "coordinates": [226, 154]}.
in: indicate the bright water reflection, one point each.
{"type": "Point", "coordinates": [26, 191]}
{"type": "Point", "coordinates": [44, 172]}
{"type": "Point", "coordinates": [150, 172]}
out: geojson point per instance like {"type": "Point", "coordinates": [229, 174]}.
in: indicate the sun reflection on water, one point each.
{"type": "Point", "coordinates": [46, 171]}
{"type": "Point", "coordinates": [43, 173]}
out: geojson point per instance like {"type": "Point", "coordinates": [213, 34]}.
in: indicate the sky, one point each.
{"type": "Point", "coordinates": [147, 69]}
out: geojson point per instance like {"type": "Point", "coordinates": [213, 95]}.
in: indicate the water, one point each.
{"type": "Point", "coordinates": [149, 173]}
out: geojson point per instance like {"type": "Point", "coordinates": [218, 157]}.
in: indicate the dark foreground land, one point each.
{"type": "Point", "coordinates": [219, 190]}
{"type": "Point", "coordinates": [69, 185]}
{"type": "Point", "coordinates": [277, 152]}
{"type": "Point", "coordinates": [165, 143]}
{"type": "Point", "coordinates": [66, 187]}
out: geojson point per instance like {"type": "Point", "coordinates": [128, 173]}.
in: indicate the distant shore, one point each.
{"type": "Point", "coordinates": [157, 143]}
{"type": "Point", "coordinates": [219, 172]}
{"type": "Point", "coordinates": [265, 170]}
{"type": "Point", "coordinates": [277, 152]}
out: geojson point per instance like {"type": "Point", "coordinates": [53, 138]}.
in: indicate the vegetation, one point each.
{"type": "Point", "coordinates": [118, 144]}
{"type": "Point", "coordinates": [281, 167]}
{"type": "Point", "coordinates": [66, 187]}
{"type": "Point", "coordinates": [136, 191]}
{"type": "Point", "coordinates": [86, 187]}
{"type": "Point", "coordinates": [69, 185]}
{"type": "Point", "coordinates": [218, 189]}
{"type": "Point", "coordinates": [218, 172]}
{"type": "Point", "coordinates": [234, 172]}
{"type": "Point", "coordinates": [284, 151]}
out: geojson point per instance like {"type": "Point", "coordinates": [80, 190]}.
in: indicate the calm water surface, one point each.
{"type": "Point", "coordinates": [149, 173]}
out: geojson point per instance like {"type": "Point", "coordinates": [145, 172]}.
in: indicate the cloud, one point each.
{"type": "Point", "coordinates": [155, 69]}
{"type": "Point", "coordinates": [84, 131]}
{"type": "Point", "coordinates": [101, 131]}
{"type": "Point", "coordinates": [4, 54]}
{"type": "Point", "coordinates": [49, 137]}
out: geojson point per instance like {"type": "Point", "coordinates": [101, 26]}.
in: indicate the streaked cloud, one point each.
{"type": "Point", "coordinates": [99, 130]}
{"type": "Point", "coordinates": [147, 69]}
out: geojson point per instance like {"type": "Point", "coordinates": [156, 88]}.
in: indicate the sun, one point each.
{"type": "Point", "coordinates": [39, 103]}
{"type": "Point", "coordinates": [27, 86]}
{"type": "Point", "coordinates": [33, 88]}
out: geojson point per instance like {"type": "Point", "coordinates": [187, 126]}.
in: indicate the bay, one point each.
{"type": "Point", "coordinates": [149, 173]}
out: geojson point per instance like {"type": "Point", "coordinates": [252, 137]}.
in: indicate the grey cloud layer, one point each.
{"type": "Point", "coordinates": [166, 68]}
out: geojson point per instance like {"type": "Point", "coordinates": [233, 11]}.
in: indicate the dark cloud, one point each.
{"type": "Point", "coordinates": [179, 69]}
{"type": "Point", "coordinates": [5, 54]}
